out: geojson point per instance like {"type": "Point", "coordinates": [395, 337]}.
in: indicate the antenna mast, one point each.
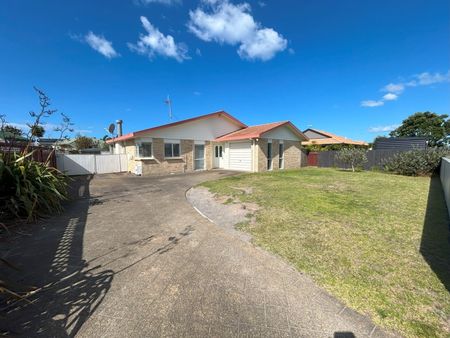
{"type": "Point", "coordinates": [169, 103]}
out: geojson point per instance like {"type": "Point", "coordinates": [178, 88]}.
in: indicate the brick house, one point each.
{"type": "Point", "coordinates": [216, 140]}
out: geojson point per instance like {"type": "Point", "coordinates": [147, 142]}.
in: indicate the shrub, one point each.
{"type": "Point", "coordinates": [352, 157]}
{"type": "Point", "coordinates": [28, 188]}
{"type": "Point", "coordinates": [416, 162]}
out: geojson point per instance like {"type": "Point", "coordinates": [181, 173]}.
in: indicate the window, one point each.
{"type": "Point", "coordinates": [171, 150]}
{"type": "Point", "coordinates": [218, 151]}
{"type": "Point", "coordinates": [144, 150]}
{"type": "Point", "coordinates": [269, 156]}
{"type": "Point", "coordinates": [281, 156]}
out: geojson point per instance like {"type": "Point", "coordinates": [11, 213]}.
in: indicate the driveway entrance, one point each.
{"type": "Point", "coordinates": [132, 258]}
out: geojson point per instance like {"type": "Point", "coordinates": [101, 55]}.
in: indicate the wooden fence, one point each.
{"type": "Point", "coordinates": [39, 154]}
{"type": "Point", "coordinates": [375, 159]}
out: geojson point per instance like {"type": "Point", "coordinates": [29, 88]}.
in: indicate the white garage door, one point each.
{"type": "Point", "coordinates": [241, 156]}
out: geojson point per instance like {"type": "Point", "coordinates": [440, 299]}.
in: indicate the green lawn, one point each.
{"type": "Point", "coordinates": [376, 241]}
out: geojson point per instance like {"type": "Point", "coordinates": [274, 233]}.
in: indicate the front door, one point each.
{"type": "Point", "coordinates": [199, 157]}
{"type": "Point", "coordinates": [218, 156]}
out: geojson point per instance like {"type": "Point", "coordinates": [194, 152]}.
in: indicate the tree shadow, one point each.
{"type": "Point", "coordinates": [435, 243]}
{"type": "Point", "coordinates": [67, 290]}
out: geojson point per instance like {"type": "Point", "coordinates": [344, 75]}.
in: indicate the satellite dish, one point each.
{"type": "Point", "coordinates": [111, 128]}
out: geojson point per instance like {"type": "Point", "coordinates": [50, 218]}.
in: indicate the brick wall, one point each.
{"type": "Point", "coordinates": [275, 155]}
{"type": "Point", "coordinates": [292, 154]}
{"type": "Point", "coordinates": [161, 165]}
{"type": "Point", "coordinates": [208, 155]}
{"type": "Point", "coordinates": [262, 154]}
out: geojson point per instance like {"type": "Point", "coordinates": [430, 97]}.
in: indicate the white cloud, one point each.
{"type": "Point", "coordinates": [163, 2]}
{"type": "Point", "coordinates": [224, 22]}
{"type": "Point", "coordinates": [156, 43]}
{"type": "Point", "coordinates": [383, 129]}
{"type": "Point", "coordinates": [198, 52]}
{"type": "Point", "coordinates": [101, 45]}
{"type": "Point", "coordinates": [394, 88]}
{"type": "Point", "coordinates": [372, 103]}
{"type": "Point", "coordinates": [390, 97]}
{"type": "Point", "coordinates": [425, 79]}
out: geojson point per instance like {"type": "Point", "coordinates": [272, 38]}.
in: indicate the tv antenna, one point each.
{"type": "Point", "coordinates": [168, 101]}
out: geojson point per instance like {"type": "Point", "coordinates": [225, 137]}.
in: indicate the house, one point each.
{"type": "Point", "coordinates": [216, 140]}
{"type": "Point", "coordinates": [324, 138]}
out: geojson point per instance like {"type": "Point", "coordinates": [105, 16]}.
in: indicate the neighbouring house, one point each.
{"type": "Point", "coordinates": [400, 143]}
{"type": "Point", "coordinates": [216, 140]}
{"type": "Point", "coordinates": [324, 139]}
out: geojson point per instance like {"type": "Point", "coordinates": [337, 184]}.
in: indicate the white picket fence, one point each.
{"type": "Point", "coordinates": [85, 164]}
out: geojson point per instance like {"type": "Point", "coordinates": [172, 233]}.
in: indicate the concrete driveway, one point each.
{"type": "Point", "coordinates": [132, 258]}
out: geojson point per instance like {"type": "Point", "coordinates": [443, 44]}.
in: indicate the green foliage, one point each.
{"type": "Point", "coordinates": [436, 128]}
{"type": "Point", "coordinates": [37, 131]}
{"type": "Point", "coordinates": [84, 142]}
{"type": "Point", "coordinates": [353, 157]}
{"type": "Point", "coordinates": [12, 130]}
{"type": "Point", "coordinates": [416, 162]}
{"type": "Point", "coordinates": [28, 188]}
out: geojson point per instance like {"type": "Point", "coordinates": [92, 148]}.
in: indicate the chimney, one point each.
{"type": "Point", "coordinates": [119, 127]}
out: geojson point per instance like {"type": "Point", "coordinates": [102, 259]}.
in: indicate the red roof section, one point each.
{"type": "Point", "coordinates": [258, 131]}
{"type": "Point", "coordinates": [331, 139]}
{"type": "Point", "coordinates": [144, 131]}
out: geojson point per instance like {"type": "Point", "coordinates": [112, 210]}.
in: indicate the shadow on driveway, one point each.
{"type": "Point", "coordinates": [49, 256]}
{"type": "Point", "coordinates": [435, 244]}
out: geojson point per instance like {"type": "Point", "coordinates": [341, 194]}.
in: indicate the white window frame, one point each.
{"type": "Point", "coordinates": [140, 142]}
{"type": "Point", "coordinates": [172, 142]}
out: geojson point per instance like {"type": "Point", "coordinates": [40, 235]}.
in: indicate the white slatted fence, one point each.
{"type": "Point", "coordinates": [85, 164]}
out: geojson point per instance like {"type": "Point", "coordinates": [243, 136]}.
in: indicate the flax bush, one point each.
{"type": "Point", "coordinates": [29, 189]}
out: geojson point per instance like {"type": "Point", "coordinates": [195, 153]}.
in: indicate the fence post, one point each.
{"type": "Point", "coordinates": [95, 164]}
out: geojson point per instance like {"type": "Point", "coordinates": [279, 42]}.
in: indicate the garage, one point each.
{"type": "Point", "coordinates": [240, 156]}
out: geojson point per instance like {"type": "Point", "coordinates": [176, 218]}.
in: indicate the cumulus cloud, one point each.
{"type": "Point", "coordinates": [226, 23]}
{"type": "Point", "coordinates": [395, 89]}
{"type": "Point", "coordinates": [390, 97]}
{"type": "Point", "coordinates": [101, 45]}
{"type": "Point", "coordinates": [156, 43]}
{"type": "Point", "coordinates": [383, 129]}
{"type": "Point", "coordinates": [372, 103]}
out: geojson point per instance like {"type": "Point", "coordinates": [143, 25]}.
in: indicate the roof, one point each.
{"type": "Point", "coordinates": [220, 113]}
{"type": "Point", "coordinates": [257, 131]}
{"type": "Point", "coordinates": [330, 139]}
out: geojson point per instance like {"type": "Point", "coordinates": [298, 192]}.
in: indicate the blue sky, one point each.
{"type": "Point", "coordinates": [354, 68]}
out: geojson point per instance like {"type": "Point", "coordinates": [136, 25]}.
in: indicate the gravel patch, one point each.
{"type": "Point", "coordinates": [220, 211]}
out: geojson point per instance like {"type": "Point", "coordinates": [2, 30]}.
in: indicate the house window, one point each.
{"type": "Point", "coordinates": [171, 150]}
{"type": "Point", "coordinates": [144, 150]}
{"type": "Point", "coordinates": [281, 156]}
{"type": "Point", "coordinates": [269, 156]}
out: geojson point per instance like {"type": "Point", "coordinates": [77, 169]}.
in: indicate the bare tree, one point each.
{"type": "Point", "coordinates": [65, 126]}
{"type": "Point", "coordinates": [45, 112]}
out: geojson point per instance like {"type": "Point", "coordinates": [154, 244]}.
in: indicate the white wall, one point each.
{"type": "Point", "coordinates": [445, 179]}
{"type": "Point", "coordinates": [282, 133]}
{"type": "Point", "coordinates": [198, 130]}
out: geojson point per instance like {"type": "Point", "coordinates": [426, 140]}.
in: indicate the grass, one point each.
{"type": "Point", "coordinates": [378, 242]}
